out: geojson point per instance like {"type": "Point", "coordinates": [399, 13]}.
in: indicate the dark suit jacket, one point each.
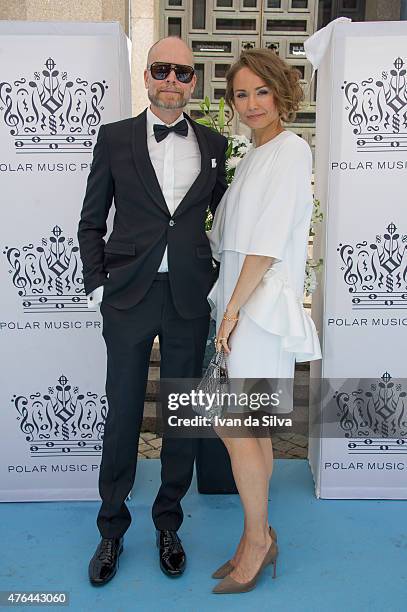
{"type": "Point", "coordinates": [126, 265]}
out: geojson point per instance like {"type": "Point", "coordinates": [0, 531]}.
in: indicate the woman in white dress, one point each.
{"type": "Point", "coordinates": [260, 236]}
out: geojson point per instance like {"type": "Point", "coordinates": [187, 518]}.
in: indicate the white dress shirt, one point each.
{"type": "Point", "coordinates": [177, 162]}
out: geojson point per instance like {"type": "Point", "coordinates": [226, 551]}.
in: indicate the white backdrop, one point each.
{"type": "Point", "coordinates": [58, 83]}
{"type": "Point", "coordinates": [361, 305]}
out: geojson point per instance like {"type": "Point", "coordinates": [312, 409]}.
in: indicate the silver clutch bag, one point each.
{"type": "Point", "coordinates": [214, 383]}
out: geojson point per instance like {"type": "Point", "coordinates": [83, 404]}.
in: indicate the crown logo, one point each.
{"type": "Point", "coordinates": [378, 110]}
{"type": "Point", "coordinates": [47, 276]}
{"type": "Point", "coordinates": [62, 421]}
{"type": "Point", "coordinates": [376, 274]}
{"type": "Point", "coordinates": [380, 411]}
{"type": "Point", "coordinates": [52, 114]}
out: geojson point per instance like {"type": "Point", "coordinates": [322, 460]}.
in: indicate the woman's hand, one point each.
{"type": "Point", "coordinates": [225, 329]}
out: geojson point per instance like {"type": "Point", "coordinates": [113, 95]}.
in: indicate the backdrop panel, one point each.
{"type": "Point", "coordinates": [58, 83]}
{"type": "Point", "coordinates": [361, 304]}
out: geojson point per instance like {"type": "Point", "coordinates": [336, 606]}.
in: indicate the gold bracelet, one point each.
{"type": "Point", "coordinates": [228, 318]}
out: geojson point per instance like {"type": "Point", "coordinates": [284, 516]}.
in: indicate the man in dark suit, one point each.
{"type": "Point", "coordinates": [152, 278]}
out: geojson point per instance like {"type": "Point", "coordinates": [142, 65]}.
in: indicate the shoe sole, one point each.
{"type": "Point", "coordinates": [164, 571]}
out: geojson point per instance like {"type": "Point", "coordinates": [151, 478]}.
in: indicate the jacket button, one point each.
{"type": "Point", "coordinates": [171, 223]}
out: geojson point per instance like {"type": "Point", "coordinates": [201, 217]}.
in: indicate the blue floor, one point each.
{"type": "Point", "coordinates": [334, 555]}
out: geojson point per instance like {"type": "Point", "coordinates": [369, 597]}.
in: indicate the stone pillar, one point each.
{"type": "Point", "coordinates": [61, 10]}
{"type": "Point", "coordinates": [144, 33]}
{"type": "Point", "coordinates": [382, 10]}
{"type": "Point", "coordinates": [13, 9]}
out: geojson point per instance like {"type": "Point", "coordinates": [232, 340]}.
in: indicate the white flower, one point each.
{"type": "Point", "coordinates": [310, 283]}
{"type": "Point", "coordinates": [241, 144]}
{"type": "Point", "coordinates": [244, 148]}
{"type": "Point", "coordinates": [232, 162]}
{"type": "Point", "coordinates": [317, 215]}
{"type": "Point", "coordinates": [243, 139]}
{"type": "Point", "coordinates": [236, 139]}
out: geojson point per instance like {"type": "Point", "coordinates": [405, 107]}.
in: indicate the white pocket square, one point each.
{"type": "Point", "coordinates": [213, 162]}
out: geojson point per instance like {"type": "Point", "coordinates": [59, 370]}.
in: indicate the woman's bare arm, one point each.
{"type": "Point", "coordinates": [253, 270]}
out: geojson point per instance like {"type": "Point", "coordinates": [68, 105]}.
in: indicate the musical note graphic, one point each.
{"type": "Point", "coordinates": [62, 421]}
{"type": "Point", "coordinates": [377, 110]}
{"type": "Point", "coordinates": [376, 273]}
{"type": "Point", "coordinates": [68, 144]}
{"type": "Point", "coordinates": [378, 447]}
{"type": "Point", "coordinates": [51, 114]}
{"type": "Point", "coordinates": [48, 276]}
{"type": "Point", "coordinates": [51, 303]}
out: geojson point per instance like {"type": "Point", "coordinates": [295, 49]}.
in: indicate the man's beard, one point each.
{"type": "Point", "coordinates": [181, 102]}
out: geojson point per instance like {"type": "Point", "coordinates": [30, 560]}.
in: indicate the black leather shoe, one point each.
{"type": "Point", "coordinates": [105, 561]}
{"type": "Point", "coordinates": [172, 555]}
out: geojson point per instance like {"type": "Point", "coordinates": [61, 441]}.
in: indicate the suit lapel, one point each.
{"type": "Point", "coordinates": [203, 176]}
{"type": "Point", "coordinates": [143, 163]}
{"type": "Point", "coordinates": [146, 170]}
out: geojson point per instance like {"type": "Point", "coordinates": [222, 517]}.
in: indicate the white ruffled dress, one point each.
{"type": "Point", "coordinates": [267, 211]}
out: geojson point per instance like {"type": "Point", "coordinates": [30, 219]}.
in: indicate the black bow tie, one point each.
{"type": "Point", "coordinates": [162, 131]}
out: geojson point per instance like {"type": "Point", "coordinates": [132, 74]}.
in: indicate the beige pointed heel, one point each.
{"type": "Point", "coordinates": [227, 567]}
{"type": "Point", "coordinates": [223, 570]}
{"type": "Point", "coordinates": [228, 585]}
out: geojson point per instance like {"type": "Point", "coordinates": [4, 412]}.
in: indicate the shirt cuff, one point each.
{"type": "Point", "coordinates": [95, 298]}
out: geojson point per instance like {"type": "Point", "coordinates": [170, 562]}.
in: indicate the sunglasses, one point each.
{"type": "Point", "coordinates": [160, 71]}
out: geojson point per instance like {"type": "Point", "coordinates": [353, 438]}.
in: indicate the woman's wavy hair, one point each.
{"type": "Point", "coordinates": [282, 79]}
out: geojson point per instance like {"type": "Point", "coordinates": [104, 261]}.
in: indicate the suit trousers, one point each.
{"type": "Point", "coordinates": [129, 335]}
